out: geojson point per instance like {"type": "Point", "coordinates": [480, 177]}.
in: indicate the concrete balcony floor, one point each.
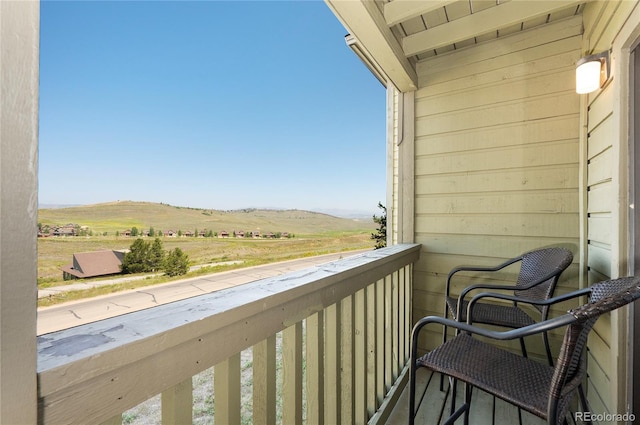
{"type": "Point", "coordinates": [481, 412]}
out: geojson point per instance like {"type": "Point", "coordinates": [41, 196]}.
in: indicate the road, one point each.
{"type": "Point", "coordinates": [75, 313]}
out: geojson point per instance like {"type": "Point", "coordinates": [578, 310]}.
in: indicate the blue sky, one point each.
{"type": "Point", "coordinates": [210, 104]}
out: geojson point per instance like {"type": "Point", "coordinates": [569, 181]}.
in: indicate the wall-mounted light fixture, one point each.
{"type": "Point", "coordinates": [592, 72]}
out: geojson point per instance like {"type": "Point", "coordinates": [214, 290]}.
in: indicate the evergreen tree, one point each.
{"type": "Point", "coordinates": [381, 234]}
{"type": "Point", "coordinates": [156, 255]}
{"type": "Point", "coordinates": [137, 259]}
{"type": "Point", "coordinates": [152, 232]}
{"type": "Point", "coordinates": [134, 231]}
{"type": "Point", "coordinates": [176, 263]}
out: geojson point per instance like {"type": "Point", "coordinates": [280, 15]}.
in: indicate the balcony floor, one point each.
{"type": "Point", "coordinates": [481, 406]}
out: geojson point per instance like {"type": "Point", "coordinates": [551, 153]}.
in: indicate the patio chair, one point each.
{"type": "Point", "coordinates": [537, 279]}
{"type": "Point", "coordinates": [538, 388]}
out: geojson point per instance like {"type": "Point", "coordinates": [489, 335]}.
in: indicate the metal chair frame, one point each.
{"type": "Point", "coordinates": [569, 371]}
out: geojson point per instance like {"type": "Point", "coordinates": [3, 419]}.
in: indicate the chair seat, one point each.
{"type": "Point", "coordinates": [513, 378]}
{"type": "Point", "coordinates": [493, 314]}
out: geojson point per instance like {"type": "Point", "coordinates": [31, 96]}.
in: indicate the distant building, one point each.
{"type": "Point", "coordinates": [223, 234]}
{"type": "Point", "coordinates": [93, 264]}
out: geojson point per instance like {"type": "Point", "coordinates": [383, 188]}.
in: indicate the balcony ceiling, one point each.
{"type": "Point", "coordinates": [393, 35]}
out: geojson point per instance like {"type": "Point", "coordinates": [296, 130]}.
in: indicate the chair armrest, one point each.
{"type": "Point", "coordinates": [536, 328]}
{"type": "Point", "coordinates": [478, 269]}
{"type": "Point", "coordinates": [547, 302]}
{"type": "Point", "coordinates": [505, 287]}
{"type": "Point", "coordinates": [539, 327]}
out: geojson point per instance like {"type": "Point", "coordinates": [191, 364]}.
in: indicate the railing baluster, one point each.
{"type": "Point", "coordinates": [388, 334]}
{"type": "Point", "coordinates": [372, 400]}
{"type": "Point", "coordinates": [177, 404]}
{"type": "Point", "coordinates": [346, 350]}
{"type": "Point", "coordinates": [226, 388]}
{"type": "Point", "coordinates": [264, 382]}
{"type": "Point", "coordinates": [360, 357]}
{"type": "Point", "coordinates": [395, 325]}
{"type": "Point", "coordinates": [332, 365]}
{"type": "Point", "coordinates": [380, 341]}
{"type": "Point", "coordinates": [292, 374]}
{"type": "Point", "coordinates": [315, 368]}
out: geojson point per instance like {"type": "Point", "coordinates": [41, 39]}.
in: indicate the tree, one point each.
{"type": "Point", "coordinates": [156, 255]}
{"type": "Point", "coordinates": [137, 259]}
{"type": "Point", "coordinates": [134, 231]}
{"type": "Point", "coordinates": [380, 236]}
{"type": "Point", "coordinates": [176, 263]}
{"type": "Point", "coordinates": [152, 232]}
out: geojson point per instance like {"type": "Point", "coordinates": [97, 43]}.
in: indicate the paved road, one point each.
{"type": "Point", "coordinates": [67, 315]}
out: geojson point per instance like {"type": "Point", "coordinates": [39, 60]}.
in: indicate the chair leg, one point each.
{"type": "Point", "coordinates": [412, 392]}
{"type": "Point", "coordinates": [523, 348]}
{"type": "Point", "coordinates": [467, 401]}
{"type": "Point", "coordinates": [444, 339]}
{"type": "Point", "coordinates": [453, 384]}
{"type": "Point", "coordinates": [583, 401]}
{"type": "Point", "coordinates": [545, 337]}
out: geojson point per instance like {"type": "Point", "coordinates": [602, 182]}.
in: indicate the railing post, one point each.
{"type": "Point", "coordinates": [177, 404]}
{"type": "Point", "coordinates": [264, 382]}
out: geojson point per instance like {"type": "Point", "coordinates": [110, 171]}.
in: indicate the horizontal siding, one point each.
{"type": "Point", "coordinates": [496, 160]}
{"type": "Point", "coordinates": [602, 23]}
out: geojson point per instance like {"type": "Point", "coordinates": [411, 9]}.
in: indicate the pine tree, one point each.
{"type": "Point", "coordinates": [176, 263]}
{"type": "Point", "coordinates": [381, 234]}
{"type": "Point", "coordinates": [137, 259]}
{"type": "Point", "coordinates": [156, 255]}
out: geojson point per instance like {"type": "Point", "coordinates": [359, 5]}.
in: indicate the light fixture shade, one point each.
{"type": "Point", "coordinates": [592, 72]}
{"type": "Point", "coordinates": [588, 77]}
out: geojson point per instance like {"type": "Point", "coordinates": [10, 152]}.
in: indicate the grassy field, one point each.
{"type": "Point", "coordinates": [53, 253]}
{"type": "Point", "coordinates": [314, 234]}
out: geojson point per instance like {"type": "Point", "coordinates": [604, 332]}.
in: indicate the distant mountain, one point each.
{"type": "Point", "coordinates": [352, 214]}
{"type": "Point", "coordinates": [121, 215]}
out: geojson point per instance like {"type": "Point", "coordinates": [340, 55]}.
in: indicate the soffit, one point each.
{"type": "Point", "coordinates": [416, 30]}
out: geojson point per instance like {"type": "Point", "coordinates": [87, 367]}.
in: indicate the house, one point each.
{"type": "Point", "coordinates": [94, 264]}
{"type": "Point", "coordinates": [239, 234]}
{"type": "Point", "coordinates": [67, 230]}
{"type": "Point", "coordinates": [491, 153]}
{"type": "Point", "coordinates": [170, 233]}
{"type": "Point", "coordinates": [223, 234]}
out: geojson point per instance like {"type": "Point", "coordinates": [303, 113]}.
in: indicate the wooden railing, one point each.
{"type": "Point", "coordinates": [344, 330]}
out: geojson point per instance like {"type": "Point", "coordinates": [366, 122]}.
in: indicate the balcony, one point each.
{"type": "Point", "coordinates": [329, 344]}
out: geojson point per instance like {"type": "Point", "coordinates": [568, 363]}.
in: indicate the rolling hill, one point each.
{"type": "Point", "coordinates": [121, 215]}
